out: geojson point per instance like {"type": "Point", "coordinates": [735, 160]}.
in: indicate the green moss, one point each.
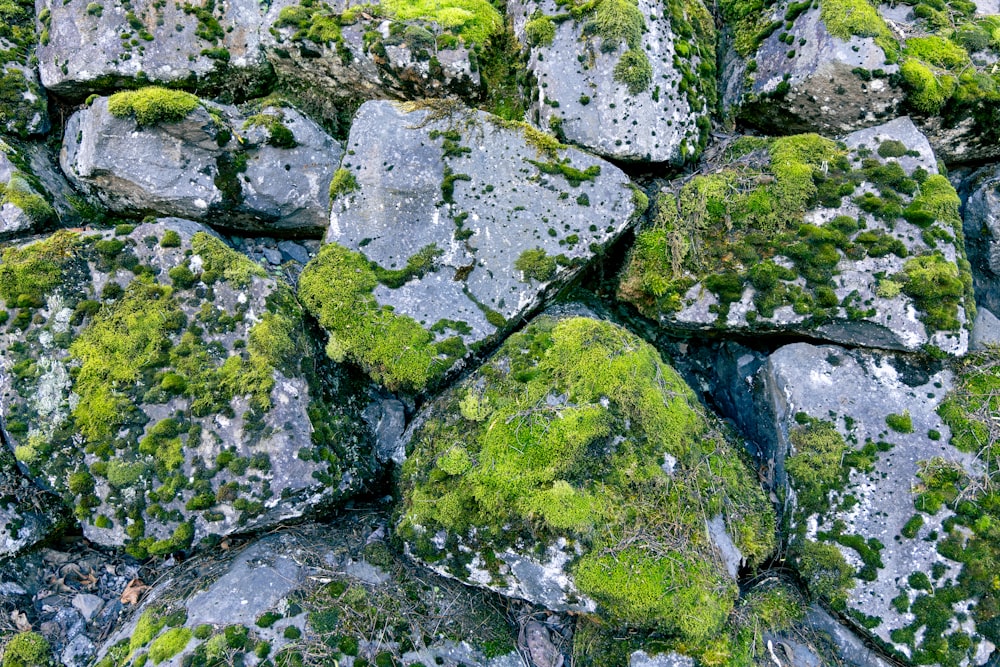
{"type": "Point", "coordinates": [634, 70]}
{"type": "Point", "coordinates": [342, 183]}
{"type": "Point", "coordinates": [148, 626]}
{"type": "Point", "coordinates": [169, 644]}
{"type": "Point", "coordinates": [850, 18]}
{"type": "Point", "coordinates": [474, 21]}
{"type": "Point", "coordinates": [395, 350]}
{"type": "Point", "coordinates": [555, 481]}
{"type": "Point", "coordinates": [927, 91]}
{"type": "Point", "coordinates": [221, 261]}
{"type": "Point", "coordinates": [816, 466]}
{"type": "Point", "coordinates": [912, 526]}
{"type": "Point", "coordinates": [937, 289]}
{"type": "Point", "coordinates": [153, 105]}
{"type": "Point", "coordinates": [826, 572]}
{"type": "Point", "coordinates": [900, 423]}
{"type": "Point", "coordinates": [535, 264]}
{"type": "Point", "coordinates": [170, 239]}
{"type": "Point", "coordinates": [278, 133]}
{"type": "Point", "coordinates": [29, 274]}
{"type": "Point", "coordinates": [540, 30]}
{"type": "Point", "coordinates": [19, 192]}
{"type": "Point", "coordinates": [27, 649]}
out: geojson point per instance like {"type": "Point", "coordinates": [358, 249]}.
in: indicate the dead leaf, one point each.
{"type": "Point", "coordinates": [89, 581]}
{"type": "Point", "coordinates": [133, 591]}
{"type": "Point", "coordinates": [20, 621]}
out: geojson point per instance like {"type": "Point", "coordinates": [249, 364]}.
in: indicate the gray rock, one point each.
{"type": "Point", "coordinates": [83, 51]}
{"type": "Point", "coordinates": [23, 208]}
{"type": "Point", "coordinates": [578, 94]}
{"type": "Point", "coordinates": [986, 330]}
{"type": "Point", "coordinates": [480, 198]}
{"type": "Point", "coordinates": [216, 434]}
{"type": "Point", "coordinates": [88, 605]}
{"type": "Point", "coordinates": [305, 582]}
{"type": "Point", "coordinates": [850, 648]}
{"type": "Point", "coordinates": [643, 659]}
{"type": "Point", "coordinates": [27, 514]}
{"type": "Point", "coordinates": [981, 223]}
{"type": "Point", "coordinates": [24, 110]}
{"type": "Point", "coordinates": [387, 419]}
{"type": "Point", "coordinates": [857, 392]}
{"type": "Point", "coordinates": [295, 252]}
{"type": "Point", "coordinates": [215, 165]}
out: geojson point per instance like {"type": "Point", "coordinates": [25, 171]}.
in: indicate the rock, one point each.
{"type": "Point", "coordinates": [27, 514]}
{"type": "Point", "coordinates": [88, 605]}
{"type": "Point", "coordinates": [287, 594]}
{"type": "Point", "coordinates": [802, 68]}
{"type": "Point", "coordinates": [981, 222]}
{"type": "Point", "coordinates": [849, 647]}
{"type": "Point", "coordinates": [584, 94]}
{"type": "Point", "coordinates": [797, 235]}
{"type": "Point", "coordinates": [24, 108]}
{"type": "Point", "coordinates": [447, 226]}
{"type": "Point", "coordinates": [387, 419]}
{"type": "Point", "coordinates": [91, 47]}
{"type": "Point", "coordinates": [516, 481]}
{"type": "Point", "coordinates": [23, 208]}
{"type": "Point", "coordinates": [986, 330]}
{"type": "Point", "coordinates": [642, 659]}
{"type": "Point", "coordinates": [269, 172]}
{"type": "Point", "coordinates": [875, 468]}
{"type": "Point", "coordinates": [162, 384]}
{"type": "Point", "coordinates": [375, 53]}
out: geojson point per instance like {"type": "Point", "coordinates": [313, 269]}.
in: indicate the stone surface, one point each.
{"type": "Point", "coordinates": [510, 484]}
{"type": "Point", "coordinates": [23, 209]}
{"type": "Point", "coordinates": [751, 247]}
{"type": "Point", "coordinates": [483, 219]}
{"type": "Point", "coordinates": [986, 330]}
{"type": "Point", "coordinates": [812, 389]}
{"type": "Point", "coordinates": [216, 165]}
{"type": "Point", "coordinates": [981, 222]}
{"type": "Point", "coordinates": [578, 94]}
{"type": "Point", "coordinates": [220, 418]}
{"type": "Point", "coordinates": [305, 580]}
{"type": "Point", "coordinates": [27, 514]}
{"type": "Point", "coordinates": [92, 47]}
{"type": "Point", "coordinates": [24, 110]}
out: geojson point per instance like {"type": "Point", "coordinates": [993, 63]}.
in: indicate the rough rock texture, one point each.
{"type": "Point", "coordinates": [840, 66]}
{"type": "Point", "coordinates": [162, 384]}
{"type": "Point", "coordinates": [27, 514]}
{"type": "Point", "coordinates": [88, 47]}
{"type": "Point", "coordinates": [326, 593]}
{"type": "Point", "coordinates": [469, 223]}
{"type": "Point", "coordinates": [522, 478]}
{"type": "Point", "coordinates": [24, 107]}
{"type": "Point", "coordinates": [981, 221]}
{"type": "Point", "coordinates": [22, 207]}
{"type": "Point", "coordinates": [797, 235]}
{"type": "Point", "coordinates": [859, 438]}
{"type": "Point", "coordinates": [369, 55]}
{"type": "Point", "coordinates": [580, 95]}
{"type": "Point", "coordinates": [269, 171]}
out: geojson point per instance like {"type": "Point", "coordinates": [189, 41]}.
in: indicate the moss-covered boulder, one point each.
{"type": "Point", "coordinates": [629, 80]}
{"type": "Point", "coordinates": [328, 53]}
{"type": "Point", "coordinates": [91, 46]}
{"type": "Point", "coordinates": [575, 469]}
{"type": "Point", "coordinates": [23, 208]}
{"type": "Point", "coordinates": [318, 596]}
{"type": "Point", "coordinates": [266, 169]}
{"type": "Point", "coordinates": [166, 388]}
{"type": "Point", "coordinates": [23, 103]}
{"type": "Point", "coordinates": [857, 242]}
{"type": "Point", "coordinates": [28, 515]}
{"type": "Point", "coordinates": [889, 466]}
{"type": "Point", "coordinates": [837, 65]}
{"type": "Point", "coordinates": [447, 225]}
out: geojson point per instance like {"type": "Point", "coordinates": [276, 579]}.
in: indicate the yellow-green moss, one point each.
{"type": "Point", "coordinates": [34, 271]}
{"type": "Point", "coordinates": [169, 644]}
{"type": "Point", "coordinates": [153, 105]}
{"type": "Point", "coordinates": [473, 20]}
{"type": "Point", "coordinates": [219, 260]}
{"type": "Point", "coordinates": [27, 649]}
{"type": "Point", "coordinates": [847, 18]}
{"type": "Point", "coordinates": [342, 183]}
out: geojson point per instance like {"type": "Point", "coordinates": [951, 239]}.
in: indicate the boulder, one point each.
{"type": "Point", "coordinates": [91, 47]}
{"type": "Point", "coordinates": [981, 222]}
{"type": "Point", "coordinates": [887, 480]}
{"type": "Point", "coordinates": [24, 107]}
{"type": "Point", "coordinates": [23, 208]}
{"type": "Point", "coordinates": [164, 386]}
{"type": "Point", "coordinates": [447, 226]}
{"type": "Point", "coordinates": [316, 596]}
{"type": "Point", "coordinates": [28, 515]}
{"type": "Point", "coordinates": [840, 66]}
{"type": "Point", "coordinates": [858, 243]}
{"type": "Point", "coordinates": [267, 172]}
{"type": "Point", "coordinates": [567, 471]}
{"type": "Point", "coordinates": [641, 92]}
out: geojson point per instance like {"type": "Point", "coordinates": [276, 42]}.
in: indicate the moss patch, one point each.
{"type": "Point", "coordinates": [153, 105]}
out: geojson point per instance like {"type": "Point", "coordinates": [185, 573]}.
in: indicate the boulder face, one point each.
{"type": "Point", "coordinates": [162, 384]}
{"type": "Point", "coordinates": [376, 608]}
{"type": "Point", "coordinates": [639, 94]}
{"type": "Point", "coordinates": [24, 106]}
{"type": "Point", "coordinates": [448, 225]}
{"type": "Point", "coordinates": [845, 65]}
{"type": "Point", "coordinates": [981, 221]}
{"type": "Point", "coordinates": [268, 171]}
{"type": "Point", "coordinates": [861, 246]}
{"type": "Point", "coordinates": [525, 478]}
{"type": "Point", "coordinates": [887, 508]}
{"type": "Point", "coordinates": [27, 514]}
{"type": "Point", "coordinates": [22, 207]}
{"type": "Point", "coordinates": [88, 47]}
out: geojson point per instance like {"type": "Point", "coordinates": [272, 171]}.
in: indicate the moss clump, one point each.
{"type": "Point", "coordinates": [29, 274]}
{"type": "Point", "coordinates": [634, 70]}
{"type": "Point", "coordinates": [816, 466]}
{"type": "Point", "coordinates": [847, 18]}
{"type": "Point", "coordinates": [936, 286]}
{"type": "Point", "coordinates": [539, 467]}
{"type": "Point", "coordinates": [171, 239]}
{"type": "Point", "coordinates": [19, 192]}
{"type": "Point", "coordinates": [278, 133]}
{"type": "Point", "coordinates": [394, 349]}
{"type": "Point", "coordinates": [536, 264]}
{"type": "Point", "coordinates": [219, 261]}
{"type": "Point", "coordinates": [902, 423]}
{"type": "Point", "coordinates": [826, 572]}
{"type": "Point", "coordinates": [540, 30]}
{"type": "Point", "coordinates": [474, 21]}
{"type": "Point", "coordinates": [342, 183]}
{"type": "Point", "coordinates": [27, 649]}
{"type": "Point", "coordinates": [169, 644]}
{"type": "Point", "coordinates": [153, 105]}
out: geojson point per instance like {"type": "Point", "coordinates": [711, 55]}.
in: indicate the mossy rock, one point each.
{"type": "Point", "coordinates": [170, 392]}
{"type": "Point", "coordinates": [802, 234]}
{"type": "Point", "coordinates": [587, 480]}
{"type": "Point", "coordinates": [23, 206]}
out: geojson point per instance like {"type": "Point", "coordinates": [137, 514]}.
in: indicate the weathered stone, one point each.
{"type": "Point", "coordinates": [858, 438]}
{"type": "Point", "coordinates": [515, 482]}
{"type": "Point", "coordinates": [580, 95]}
{"type": "Point", "coordinates": [162, 384]}
{"type": "Point", "coordinates": [861, 247]}
{"type": "Point", "coordinates": [267, 172]}
{"type": "Point", "coordinates": [295, 591]}
{"type": "Point", "coordinates": [27, 514]}
{"type": "Point", "coordinates": [24, 109]}
{"type": "Point", "coordinates": [472, 222]}
{"type": "Point", "coordinates": [23, 209]}
{"type": "Point", "coordinates": [91, 47]}
{"type": "Point", "coordinates": [981, 222]}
